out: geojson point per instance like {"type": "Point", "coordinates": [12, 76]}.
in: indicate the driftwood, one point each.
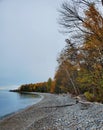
{"type": "Point", "coordinates": [78, 99]}
{"type": "Point", "coordinates": [60, 106]}
{"type": "Point", "coordinates": [82, 102]}
{"type": "Point", "coordinates": [85, 102]}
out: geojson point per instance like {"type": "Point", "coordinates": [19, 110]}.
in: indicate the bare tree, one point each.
{"type": "Point", "coordinates": [72, 15]}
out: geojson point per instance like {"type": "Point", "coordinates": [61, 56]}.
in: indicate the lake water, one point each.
{"type": "Point", "coordinates": [11, 102]}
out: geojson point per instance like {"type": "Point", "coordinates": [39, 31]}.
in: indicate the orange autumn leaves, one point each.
{"type": "Point", "coordinates": [88, 58]}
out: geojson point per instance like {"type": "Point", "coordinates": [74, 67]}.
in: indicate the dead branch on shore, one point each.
{"type": "Point", "coordinates": [81, 102]}
{"type": "Point", "coordinates": [60, 106]}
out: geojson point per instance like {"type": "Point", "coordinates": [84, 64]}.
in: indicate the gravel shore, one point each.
{"type": "Point", "coordinates": [56, 112]}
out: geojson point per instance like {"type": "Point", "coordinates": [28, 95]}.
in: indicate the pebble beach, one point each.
{"type": "Point", "coordinates": [56, 112]}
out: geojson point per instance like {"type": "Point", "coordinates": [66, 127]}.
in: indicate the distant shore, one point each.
{"type": "Point", "coordinates": [56, 112]}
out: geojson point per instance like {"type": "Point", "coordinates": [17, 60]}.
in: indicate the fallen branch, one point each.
{"type": "Point", "coordinates": [85, 102]}
{"type": "Point", "coordinates": [60, 106]}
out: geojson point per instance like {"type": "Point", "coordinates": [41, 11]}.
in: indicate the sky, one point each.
{"type": "Point", "coordinates": [29, 41]}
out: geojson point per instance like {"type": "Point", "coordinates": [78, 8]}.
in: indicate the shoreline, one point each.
{"type": "Point", "coordinates": [22, 109]}
{"type": "Point", "coordinates": [56, 112]}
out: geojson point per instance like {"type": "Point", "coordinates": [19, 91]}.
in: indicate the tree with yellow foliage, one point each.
{"type": "Point", "coordinates": [88, 55]}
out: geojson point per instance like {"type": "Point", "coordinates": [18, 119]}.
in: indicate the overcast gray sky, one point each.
{"type": "Point", "coordinates": [29, 40]}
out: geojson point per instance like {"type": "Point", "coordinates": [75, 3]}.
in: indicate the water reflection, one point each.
{"type": "Point", "coordinates": [12, 101]}
{"type": "Point", "coordinates": [28, 95]}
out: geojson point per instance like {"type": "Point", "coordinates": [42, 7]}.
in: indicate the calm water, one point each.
{"type": "Point", "coordinates": [11, 102]}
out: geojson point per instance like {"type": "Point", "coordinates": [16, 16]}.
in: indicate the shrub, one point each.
{"type": "Point", "coordinates": [89, 96]}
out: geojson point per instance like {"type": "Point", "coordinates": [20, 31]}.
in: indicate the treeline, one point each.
{"type": "Point", "coordinates": [80, 63]}
{"type": "Point", "coordinates": [38, 87]}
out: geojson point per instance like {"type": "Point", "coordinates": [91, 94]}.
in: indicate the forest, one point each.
{"type": "Point", "coordinates": [80, 62]}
